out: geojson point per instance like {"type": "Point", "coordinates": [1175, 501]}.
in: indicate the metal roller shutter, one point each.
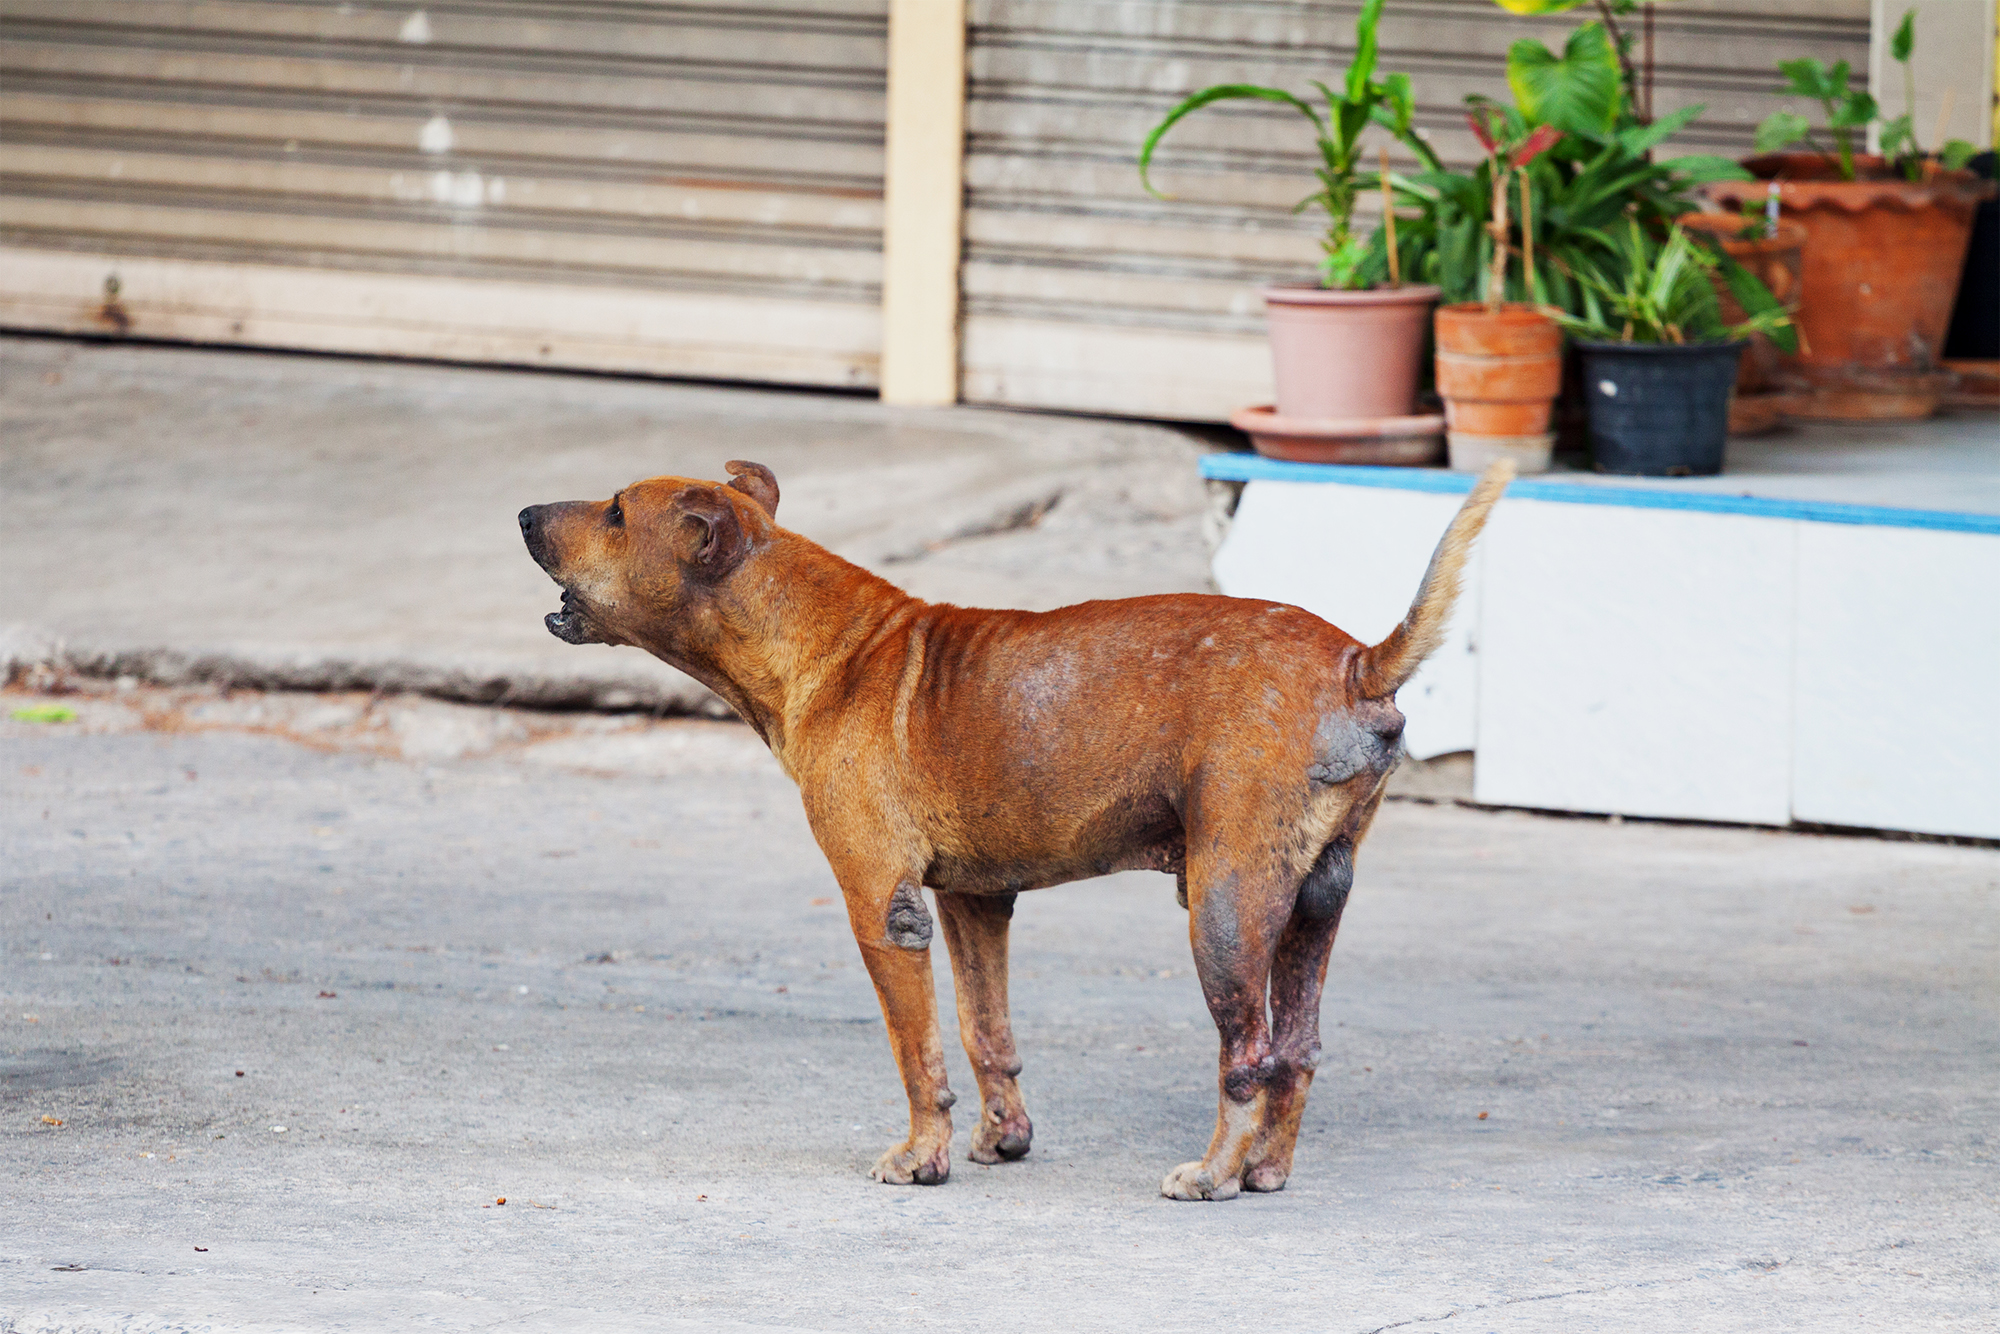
{"type": "Point", "coordinates": [664, 187]}
{"type": "Point", "coordinates": [1082, 292]}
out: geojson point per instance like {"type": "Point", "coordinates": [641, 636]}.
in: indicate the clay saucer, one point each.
{"type": "Point", "coordinates": [1755, 414]}
{"type": "Point", "coordinates": [1380, 441]}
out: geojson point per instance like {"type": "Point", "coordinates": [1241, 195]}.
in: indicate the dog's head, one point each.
{"type": "Point", "coordinates": [634, 563]}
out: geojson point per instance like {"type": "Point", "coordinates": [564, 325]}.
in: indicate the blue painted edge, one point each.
{"type": "Point", "coordinates": [1257, 468]}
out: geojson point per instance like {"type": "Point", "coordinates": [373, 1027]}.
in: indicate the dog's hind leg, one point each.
{"type": "Point", "coordinates": [1298, 975]}
{"type": "Point", "coordinates": [1234, 920]}
{"type": "Point", "coordinates": [975, 929]}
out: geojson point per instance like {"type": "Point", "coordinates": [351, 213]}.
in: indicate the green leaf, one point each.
{"type": "Point", "coordinates": [1352, 118]}
{"type": "Point", "coordinates": [1853, 110]}
{"type": "Point", "coordinates": [1757, 301]}
{"type": "Point", "coordinates": [1219, 93]}
{"type": "Point", "coordinates": [1401, 101]}
{"type": "Point", "coordinates": [1341, 267]}
{"type": "Point", "coordinates": [1956, 153]}
{"type": "Point", "coordinates": [1701, 168]}
{"type": "Point", "coordinates": [1809, 78]}
{"type": "Point", "coordinates": [1363, 68]}
{"type": "Point", "coordinates": [1894, 133]}
{"type": "Point", "coordinates": [1533, 8]}
{"type": "Point", "coordinates": [1905, 39]}
{"type": "Point", "coordinates": [1640, 139]}
{"type": "Point", "coordinates": [44, 713]}
{"type": "Point", "coordinates": [1578, 92]}
{"type": "Point", "coordinates": [1781, 128]}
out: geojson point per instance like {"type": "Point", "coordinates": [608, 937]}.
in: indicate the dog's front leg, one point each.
{"type": "Point", "coordinates": [893, 929]}
{"type": "Point", "coordinates": [975, 927]}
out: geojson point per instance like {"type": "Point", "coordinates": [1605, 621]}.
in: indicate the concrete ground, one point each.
{"type": "Point", "coordinates": [1578, 1075]}
{"type": "Point", "coordinates": [325, 522]}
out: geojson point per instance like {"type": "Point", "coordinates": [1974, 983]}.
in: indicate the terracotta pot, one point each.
{"type": "Point", "coordinates": [1498, 373]}
{"type": "Point", "coordinates": [1880, 272]}
{"type": "Point", "coordinates": [1775, 260]}
{"type": "Point", "coordinates": [1475, 453]}
{"type": "Point", "coordinates": [1341, 355]}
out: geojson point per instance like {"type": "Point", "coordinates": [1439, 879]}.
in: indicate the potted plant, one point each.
{"type": "Point", "coordinates": [1499, 363]}
{"type": "Point", "coordinates": [1552, 248]}
{"type": "Point", "coordinates": [1772, 248]}
{"type": "Point", "coordinates": [1577, 191]}
{"type": "Point", "coordinates": [1887, 236]}
{"type": "Point", "coordinates": [1659, 363]}
{"type": "Point", "coordinates": [1347, 350]}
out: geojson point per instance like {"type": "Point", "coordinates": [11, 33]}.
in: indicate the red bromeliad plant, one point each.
{"type": "Point", "coordinates": [1505, 156]}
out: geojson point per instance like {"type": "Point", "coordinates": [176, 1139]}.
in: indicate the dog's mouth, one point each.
{"type": "Point", "coordinates": [567, 624]}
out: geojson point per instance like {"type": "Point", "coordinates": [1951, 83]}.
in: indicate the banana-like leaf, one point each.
{"type": "Point", "coordinates": [1219, 93]}
{"type": "Point", "coordinates": [1639, 139]}
{"type": "Point", "coordinates": [1579, 91]}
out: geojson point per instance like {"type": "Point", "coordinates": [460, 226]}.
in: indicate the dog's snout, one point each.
{"type": "Point", "coordinates": [535, 533]}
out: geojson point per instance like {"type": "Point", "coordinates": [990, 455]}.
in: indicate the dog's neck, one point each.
{"type": "Point", "coordinates": [774, 634]}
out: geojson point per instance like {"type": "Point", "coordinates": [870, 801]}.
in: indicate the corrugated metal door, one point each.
{"type": "Point", "coordinates": [1082, 292]}
{"type": "Point", "coordinates": [678, 188]}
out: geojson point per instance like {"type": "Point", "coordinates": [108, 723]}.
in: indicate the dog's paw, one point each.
{"type": "Point", "coordinates": [1003, 1140]}
{"type": "Point", "coordinates": [905, 1165]}
{"type": "Point", "coordinates": [1266, 1176]}
{"type": "Point", "coordinates": [1193, 1181]}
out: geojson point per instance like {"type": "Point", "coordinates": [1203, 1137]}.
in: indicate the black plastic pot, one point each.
{"type": "Point", "coordinates": [1659, 409]}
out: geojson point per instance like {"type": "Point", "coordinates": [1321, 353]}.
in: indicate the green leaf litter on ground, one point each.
{"type": "Point", "coordinates": [45, 713]}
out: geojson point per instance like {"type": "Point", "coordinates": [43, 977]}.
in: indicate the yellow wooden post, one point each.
{"type": "Point", "coordinates": [924, 189]}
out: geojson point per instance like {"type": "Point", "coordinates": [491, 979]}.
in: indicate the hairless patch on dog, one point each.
{"type": "Point", "coordinates": [909, 922]}
{"type": "Point", "coordinates": [1347, 744]}
{"type": "Point", "coordinates": [1323, 893]}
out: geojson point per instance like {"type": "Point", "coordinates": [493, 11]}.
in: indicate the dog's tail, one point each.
{"type": "Point", "coordinates": [1381, 669]}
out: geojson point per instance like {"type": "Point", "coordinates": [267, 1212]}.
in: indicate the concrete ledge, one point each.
{"type": "Point", "coordinates": [1639, 651]}
{"type": "Point", "coordinates": [23, 650]}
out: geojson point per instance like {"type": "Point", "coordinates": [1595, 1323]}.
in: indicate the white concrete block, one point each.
{"type": "Point", "coordinates": [1636, 661]}
{"type": "Point", "coordinates": [1898, 680]}
{"type": "Point", "coordinates": [1354, 555]}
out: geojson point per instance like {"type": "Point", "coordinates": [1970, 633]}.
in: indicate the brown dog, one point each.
{"type": "Point", "coordinates": [1240, 745]}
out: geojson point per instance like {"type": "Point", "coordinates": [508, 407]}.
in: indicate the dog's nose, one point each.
{"type": "Point", "coordinates": [527, 517]}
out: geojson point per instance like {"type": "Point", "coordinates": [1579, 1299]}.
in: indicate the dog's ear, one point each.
{"type": "Point", "coordinates": [709, 536]}
{"type": "Point", "coordinates": [755, 481]}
